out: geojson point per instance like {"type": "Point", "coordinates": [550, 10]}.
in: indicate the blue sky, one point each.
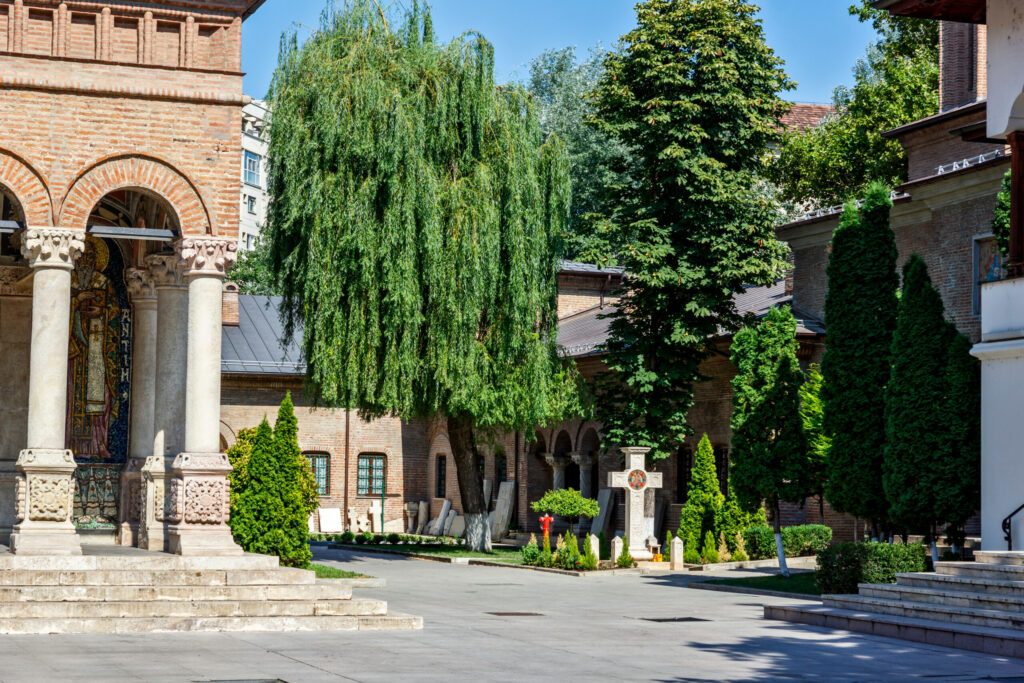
{"type": "Point", "coordinates": [817, 38]}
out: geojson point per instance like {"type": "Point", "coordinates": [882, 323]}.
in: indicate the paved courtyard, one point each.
{"type": "Point", "coordinates": [593, 628]}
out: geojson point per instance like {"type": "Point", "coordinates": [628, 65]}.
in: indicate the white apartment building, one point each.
{"type": "Point", "coordinates": [254, 174]}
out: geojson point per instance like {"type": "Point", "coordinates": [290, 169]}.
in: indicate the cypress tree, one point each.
{"type": "Point", "coordinates": [414, 229]}
{"type": "Point", "coordinates": [257, 507]}
{"type": "Point", "coordinates": [693, 94]}
{"type": "Point", "coordinates": [959, 463]}
{"type": "Point", "coordinates": [818, 444]}
{"type": "Point", "coordinates": [769, 450]}
{"type": "Point", "coordinates": [860, 313]}
{"type": "Point", "coordinates": [916, 429]}
{"type": "Point", "coordinates": [292, 461]}
{"type": "Point", "coordinates": [704, 499]}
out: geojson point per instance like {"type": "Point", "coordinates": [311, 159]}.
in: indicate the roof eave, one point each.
{"type": "Point", "coordinates": [253, 6]}
{"type": "Point", "coordinates": [965, 11]}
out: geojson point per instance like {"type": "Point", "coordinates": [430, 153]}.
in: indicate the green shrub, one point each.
{"type": "Point", "coordinates": [759, 542]}
{"type": "Point", "coordinates": [709, 553]}
{"type": "Point", "coordinates": [568, 555]}
{"type": "Point", "coordinates": [568, 503]}
{"type": "Point", "coordinates": [845, 565]}
{"type": "Point", "coordinates": [369, 538]}
{"type": "Point", "coordinates": [531, 552]}
{"type": "Point", "coordinates": [624, 560]}
{"type": "Point", "coordinates": [739, 555]}
{"type": "Point", "coordinates": [690, 554]}
{"type": "Point", "coordinates": [806, 539]}
{"type": "Point", "coordinates": [547, 559]}
{"type": "Point", "coordinates": [378, 539]}
{"type": "Point", "coordinates": [348, 537]}
{"type": "Point", "coordinates": [605, 547]}
{"type": "Point", "coordinates": [704, 500]}
{"type": "Point", "coordinates": [394, 539]}
{"type": "Point", "coordinates": [589, 560]}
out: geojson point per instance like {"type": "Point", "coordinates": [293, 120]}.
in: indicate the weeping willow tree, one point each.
{"type": "Point", "coordinates": [414, 225]}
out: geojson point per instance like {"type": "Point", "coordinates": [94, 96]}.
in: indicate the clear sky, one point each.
{"type": "Point", "coordinates": [818, 39]}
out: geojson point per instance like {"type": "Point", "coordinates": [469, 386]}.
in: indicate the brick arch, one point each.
{"type": "Point", "coordinates": [28, 187]}
{"type": "Point", "coordinates": [136, 172]}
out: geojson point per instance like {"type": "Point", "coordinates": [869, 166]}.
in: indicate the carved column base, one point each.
{"type": "Point", "coordinates": [199, 506]}
{"type": "Point", "coordinates": [152, 530]}
{"type": "Point", "coordinates": [8, 499]}
{"type": "Point", "coordinates": [45, 501]}
{"type": "Point", "coordinates": [132, 502]}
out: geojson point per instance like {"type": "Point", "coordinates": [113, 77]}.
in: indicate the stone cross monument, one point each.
{"type": "Point", "coordinates": [635, 480]}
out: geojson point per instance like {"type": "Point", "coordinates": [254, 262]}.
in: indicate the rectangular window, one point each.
{"type": "Point", "coordinates": [253, 162]}
{"type": "Point", "coordinates": [250, 242]}
{"type": "Point", "coordinates": [250, 204]}
{"type": "Point", "coordinates": [988, 267]}
{"type": "Point", "coordinates": [371, 472]}
{"type": "Point", "coordinates": [440, 486]}
{"type": "Point", "coordinates": [321, 464]}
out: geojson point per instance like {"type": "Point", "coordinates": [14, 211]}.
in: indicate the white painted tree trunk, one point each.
{"type": "Point", "coordinates": [935, 553]}
{"type": "Point", "coordinates": [781, 550]}
{"type": "Point", "coordinates": [478, 532]}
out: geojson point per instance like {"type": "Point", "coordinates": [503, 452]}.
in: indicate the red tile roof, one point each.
{"type": "Point", "coordinates": [804, 115]}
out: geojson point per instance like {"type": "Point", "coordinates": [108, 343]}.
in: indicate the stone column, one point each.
{"type": "Point", "coordinates": [585, 461]}
{"type": "Point", "coordinates": [140, 439]}
{"type": "Point", "coordinates": [558, 464]}
{"type": "Point", "coordinates": [46, 469]}
{"type": "Point", "coordinates": [170, 357]}
{"type": "Point", "coordinates": [199, 489]}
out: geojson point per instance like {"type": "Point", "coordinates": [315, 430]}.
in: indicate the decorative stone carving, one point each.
{"type": "Point", "coordinates": [165, 271]}
{"type": "Point", "coordinates": [204, 501]}
{"type": "Point", "coordinates": [21, 491]}
{"type": "Point", "coordinates": [141, 285]}
{"type": "Point", "coordinates": [50, 498]}
{"type": "Point", "coordinates": [52, 247]}
{"type": "Point", "coordinates": [173, 504]}
{"type": "Point", "coordinates": [207, 255]}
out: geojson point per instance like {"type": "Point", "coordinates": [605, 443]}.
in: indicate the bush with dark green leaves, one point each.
{"type": "Point", "coordinates": [347, 537]}
{"type": "Point", "coordinates": [588, 560]}
{"type": "Point", "coordinates": [806, 539]}
{"type": "Point", "coordinates": [531, 552]}
{"type": "Point", "coordinates": [625, 559]}
{"type": "Point", "coordinates": [845, 565]}
{"type": "Point", "coordinates": [394, 539]}
{"type": "Point", "coordinates": [568, 555]}
{"type": "Point", "coordinates": [759, 542]}
{"type": "Point", "coordinates": [709, 553]}
{"type": "Point", "coordinates": [702, 513]}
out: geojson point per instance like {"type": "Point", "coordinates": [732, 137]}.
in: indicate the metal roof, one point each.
{"type": "Point", "coordinates": [577, 268]}
{"type": "Point", "coordinates": [256, 345]}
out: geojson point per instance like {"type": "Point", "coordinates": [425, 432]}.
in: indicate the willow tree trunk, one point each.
{"type": "Point", "coordinates": [471, 486]}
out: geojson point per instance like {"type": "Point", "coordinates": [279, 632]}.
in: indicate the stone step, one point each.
{"type": "Point", "coordinates": [108, 625]}
{"type": "Point", "coordinates": [950, 597]}
{"type": "Point", "coordinates": [993, 641]}
{"type": "Point", "coordinates": [148, 561]}
{"type": "Point", "coordinates": [118, 593]}
{"type": "Point", "coordinates": [961, 583]}
{"type": "Point", "coordinates": [138, 577]}
{"type": "Point", "coordinates": [999, 557]}
{"type": "Point", "coordinates": [982, 570]}
{"type": "Point", "coordinates": [194, 608]}
{"type": "Point", "coordinates": [921, 610]}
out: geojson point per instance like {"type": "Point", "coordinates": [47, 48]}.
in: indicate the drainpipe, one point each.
{"type": "Point", "coordinates": [345, 480]}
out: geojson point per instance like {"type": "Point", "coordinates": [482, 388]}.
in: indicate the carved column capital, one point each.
{"type": "Point", "coordinates": [141, 285]}
{"type": "Point", "coordinates": [207, 255]}
{"type": "Point", "coordinates": [584, 460]}
{"type": "Point", "coordinates": [52, 247]}
{"type": "Point", "coordinates": [557, 462]}
{"type": "Point", "coordinates": [165, 271]}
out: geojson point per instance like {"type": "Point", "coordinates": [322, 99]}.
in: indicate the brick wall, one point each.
{"type": "Point", "coordinates": [578, 293]}
{"type": "Point", "coordinates": [963, 64]}
{"type": "Point", "coordinates": [934, 146]}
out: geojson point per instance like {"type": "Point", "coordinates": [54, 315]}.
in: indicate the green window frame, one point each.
{"type": "Point", "coordinates": [321, 465]}
{"type": "Point", "coordinates": [370, 473]}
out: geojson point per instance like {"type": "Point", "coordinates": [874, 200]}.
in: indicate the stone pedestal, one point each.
{"type": "Point", "coordinates": [1001, 352]}
{"type": "Point", "coordinates": [198, 492]}
{"type": "Point", "coordinates": [45, 469]}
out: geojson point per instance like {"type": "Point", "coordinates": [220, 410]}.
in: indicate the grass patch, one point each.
{"type": "Point", "coordinates": [324, 571]}
{"type": "Point", "coordinates": [509, 555]}
{"type": "Point", "coordinates": [804, 583]}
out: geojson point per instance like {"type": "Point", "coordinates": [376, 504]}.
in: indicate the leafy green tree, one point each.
{"type": "Point", "coordinates": [769, 454]}
{"type": "Point", "coordinates": [294, 464]}
{"type": "Point", "coordinates": [566, 503]}
{"type": "Point", "coordinates": [693, 93]}
{"type": "Point", "coordinates": [895, 83]}
{"type": "Point", "coordinates": [1001, 219]}
{"type": "Point", "coordinates": [238, 455]}
{"type": "Point", "coordinates": [704, 500]}
{"type": "Point", "coordinates": [415, 224]}
{"type": "Point", "coordinates": [959, 463]}
{"type": "Point", "coordinates": [812, 414]}
{"type": "Point", "coordinates": [860, 312]}
{"type": "Point", "coordinates": [916, 430]}
{"type": "Point", "coordinates": [561, 86]}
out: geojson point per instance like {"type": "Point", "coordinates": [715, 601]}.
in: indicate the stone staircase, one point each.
{"type": "Point", "coordinates": [969, 605]}
{"type": "Point", "coordinates": [123, 590]}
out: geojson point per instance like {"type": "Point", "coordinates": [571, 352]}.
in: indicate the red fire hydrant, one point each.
{"type": "Point", "coordinates": [545, 524]}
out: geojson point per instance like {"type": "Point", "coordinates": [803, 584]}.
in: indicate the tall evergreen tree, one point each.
{"type": "Point", "coordinates": [959, 463]}
{"type": "Point", "coordinates": [693, 93]}
{"type": "Point", "coordinates": [860, 313]}
{"type": "Point", "coordinates": [916, 429]}
{"type": "Point", "coordinates": [415, 222]}
{"type": "Point", "coordinates": [769, 456]}
{"type": "Point", "coordinates": [812, 413]}
{"type": "Point", "coordinates": [294, 464]}
{"type": "Point", "coordinates": [704, 499]}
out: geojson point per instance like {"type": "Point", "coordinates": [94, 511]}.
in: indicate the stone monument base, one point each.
{"type": "Point", "coordinates": [63, 543]}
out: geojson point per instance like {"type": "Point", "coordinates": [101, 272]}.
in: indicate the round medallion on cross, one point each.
{"type": "Point", "coordinates": [637, 480]}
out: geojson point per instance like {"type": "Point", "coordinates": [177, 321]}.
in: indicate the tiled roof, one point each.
{"type": "Point", "coordinates": [804, 115]}
{"type": "Point", "coordinates": [584, 333]}
{"type": "Point", "coordinates": [256, 345]}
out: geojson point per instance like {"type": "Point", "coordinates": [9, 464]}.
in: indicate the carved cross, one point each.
{"type": "Point", "coordinates": [635, 480]}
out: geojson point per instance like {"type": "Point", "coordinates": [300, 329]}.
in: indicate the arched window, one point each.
{"type": "Point", "coordinates": [321, 464]}
{"type": "Point", "coordinates": [440, 472]}
{"type": "Point", "coordinates": [370, 474]}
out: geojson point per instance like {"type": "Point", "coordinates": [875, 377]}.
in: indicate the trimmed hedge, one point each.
{"type": "Point", "coordinates": [845, 565]}
{"type": "Point", "coordinates": [797, 541]}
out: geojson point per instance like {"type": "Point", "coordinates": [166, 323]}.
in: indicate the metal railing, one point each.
{"type": "Point", "coordinates": [1008, 527]}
